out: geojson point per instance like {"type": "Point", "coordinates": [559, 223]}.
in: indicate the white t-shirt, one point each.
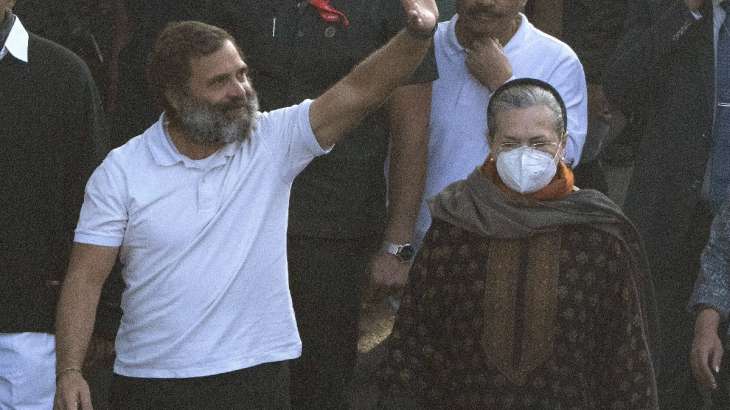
{"type": "Point", "coordinates": [203, 244]}
{"type": "Point", "coordinates": [458, 127]}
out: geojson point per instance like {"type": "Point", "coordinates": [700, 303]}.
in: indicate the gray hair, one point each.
{"type": "Point", "coordinates": [524, 96]}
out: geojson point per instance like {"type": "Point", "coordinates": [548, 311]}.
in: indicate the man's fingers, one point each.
{"type": "Point", "coordinates": [700, 364]}
{"type": "Point", "coordinates": [421, 15]}
{"type": "Point", "coordinates": [85, 400]}
{"type": "Point", "coordinates": [717, 359]}
{"type": "Point", "coordinates": [703, 376]}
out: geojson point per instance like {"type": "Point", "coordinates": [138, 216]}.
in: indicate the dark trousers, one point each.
{"type": "Point", "coordinates": [674, 280]}
{"type": "Point", "coordinates": [260, 387]}
{"type": "Point", "coordinates": [326, 278]}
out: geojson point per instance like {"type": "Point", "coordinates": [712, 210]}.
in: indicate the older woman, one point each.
{"type": "Point", "coordinates": [527, 293]}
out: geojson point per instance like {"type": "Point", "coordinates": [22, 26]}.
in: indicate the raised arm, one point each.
{"type": "Point", "coordinates": [343, 106]}
{"type": "Point", "coordinates": [89, 267]}
{"type": "Point", "coordinates": [409, 109]}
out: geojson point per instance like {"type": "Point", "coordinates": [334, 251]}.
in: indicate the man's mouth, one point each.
{"type": "Point", "coordinates": [482, 14]}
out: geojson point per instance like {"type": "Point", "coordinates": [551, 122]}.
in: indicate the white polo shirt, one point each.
{"type": "Point", "coordinates": [458, 126]}
{"type": "Point", "coordinates": [203, 244]}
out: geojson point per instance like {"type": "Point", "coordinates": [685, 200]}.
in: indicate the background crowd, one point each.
{"type": "Point", "coordinates": [642, 93]}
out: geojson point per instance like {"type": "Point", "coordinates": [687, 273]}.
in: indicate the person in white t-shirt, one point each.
{"type": "Point", "coordinates": [196, 209]}
{"type": "Point", "coordinates": [483, 46]}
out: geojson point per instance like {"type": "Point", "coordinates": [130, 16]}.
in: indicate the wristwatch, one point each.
{"type": "Point", "coordinates": [405, 252]}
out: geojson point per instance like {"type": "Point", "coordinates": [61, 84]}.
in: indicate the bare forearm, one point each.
{"type": "Point", "coordinates": [89, 267]}
{"type": "Point", "coordinates": [410, 108]}
{"type": "Point", "coordinates": [75, 321]}
{"type": "Point", "coordinates": [366, 87]}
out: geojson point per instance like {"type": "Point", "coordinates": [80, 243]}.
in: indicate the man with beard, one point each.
{"type": "Point", "coordinates": [196, 207]}
{"type": "Point", "coordinates": [485, 44]}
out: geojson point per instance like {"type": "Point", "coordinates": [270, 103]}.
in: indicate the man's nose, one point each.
{"type": "Point", "coordinates": [239, 89]}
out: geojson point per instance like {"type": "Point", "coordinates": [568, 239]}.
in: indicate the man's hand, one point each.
{"type": "Point", "coordinates": [694, 5]}
{"type": "Point", "coordinates": [388, 276]}
{"type": "Point", "coordinates": [707, 349]}
{"type": "Point", "coordinates": [488, 63]}
{"type": "Point", "coordinates": [72, 392]}
{"type": "Point", "coordinates": [422, 16]}
{"type": "Point", "coordinates": [388, 270]}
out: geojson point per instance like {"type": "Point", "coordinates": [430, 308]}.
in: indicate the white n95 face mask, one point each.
{"type": "Point", "coordinates": [525, 169]}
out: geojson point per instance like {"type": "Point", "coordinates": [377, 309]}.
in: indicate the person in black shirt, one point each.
{"type": "Point", "coordinates": [51, 138]}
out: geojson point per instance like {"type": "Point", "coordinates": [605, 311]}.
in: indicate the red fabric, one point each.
{"type": "Point", "coordinates": [329, 13]}
{"type": "Point", "coordinates": [559, 187]}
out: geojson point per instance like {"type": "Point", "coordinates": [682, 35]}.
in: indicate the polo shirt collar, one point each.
{"type": "Point", "coordinates": [166, 154]}
{"type": "Point", "coordinates": [454, 48]}
{"type": "Point", "coordinates": [17, 42]}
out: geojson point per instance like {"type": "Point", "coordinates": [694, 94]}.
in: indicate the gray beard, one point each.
{"type": "Point", "coordinates": [208, 124]}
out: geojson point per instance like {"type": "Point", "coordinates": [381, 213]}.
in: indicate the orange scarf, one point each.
{"type": "Point", "coordinates": [559, 187]}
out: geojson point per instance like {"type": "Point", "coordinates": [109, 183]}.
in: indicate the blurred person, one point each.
{"type": "Point", "coordinates": [196, 207]}
{"type": "Point", "coordinates": [528, 293]}
{"type": "Point", "coordinates": [546, 15]}
{"type": "Point", "coordinates": [83, 26]}
{"type": "Point", "coordinates": [673, 65]}
{"type": "Point", "coordinates": [485, 44]}
{"type": "Point", "coordinates": [340, 224]}
{"type": "Point", "coordinates": [711, 303]}
{"type": "Point", "coordinates": [593, 29]}
{"type": "Point", "coordinates": [52, 136]}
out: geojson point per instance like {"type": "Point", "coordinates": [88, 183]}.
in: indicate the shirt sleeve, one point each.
{"type": "Point", "coordinates": [712, 287]}
{"type": "Point", "coordinates": [569, 80]}
{"type": "Point", "coordinates": [288, 135]}
{"type": "Point", "coordinates": [104, 216]}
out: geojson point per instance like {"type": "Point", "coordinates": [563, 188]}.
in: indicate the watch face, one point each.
{"type": "Point", "coordinates": [406, 253]}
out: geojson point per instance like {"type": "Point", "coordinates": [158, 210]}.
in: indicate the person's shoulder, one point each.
{"type": "Point", "coordinates": [43, 50]}
{"type": "Point", "coordinates": [58, 64]}
{"type": "Point", "coordinates": [274, 121]}
{"type": "Point", "coordinates": [130, 155]}
{"type": "Point", "coordinates": [550, 44]}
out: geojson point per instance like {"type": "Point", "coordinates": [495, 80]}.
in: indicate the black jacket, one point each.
{"type": "Point", "coordinates": [51, 138]}
{"type": "Point", "coordinates": [664, 67]}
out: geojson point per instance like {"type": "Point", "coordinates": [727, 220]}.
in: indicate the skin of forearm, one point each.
{"type": "Point", "coordinates": [410, 108]}
{"type": "Point", "coordinates": [88, 268]}
{"type": "Point", "coordinates": [75, 321]}
{"type": "Point", "coordinates": [366, 87]}
{"type": "Point", "coordinates": [708, 320]}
